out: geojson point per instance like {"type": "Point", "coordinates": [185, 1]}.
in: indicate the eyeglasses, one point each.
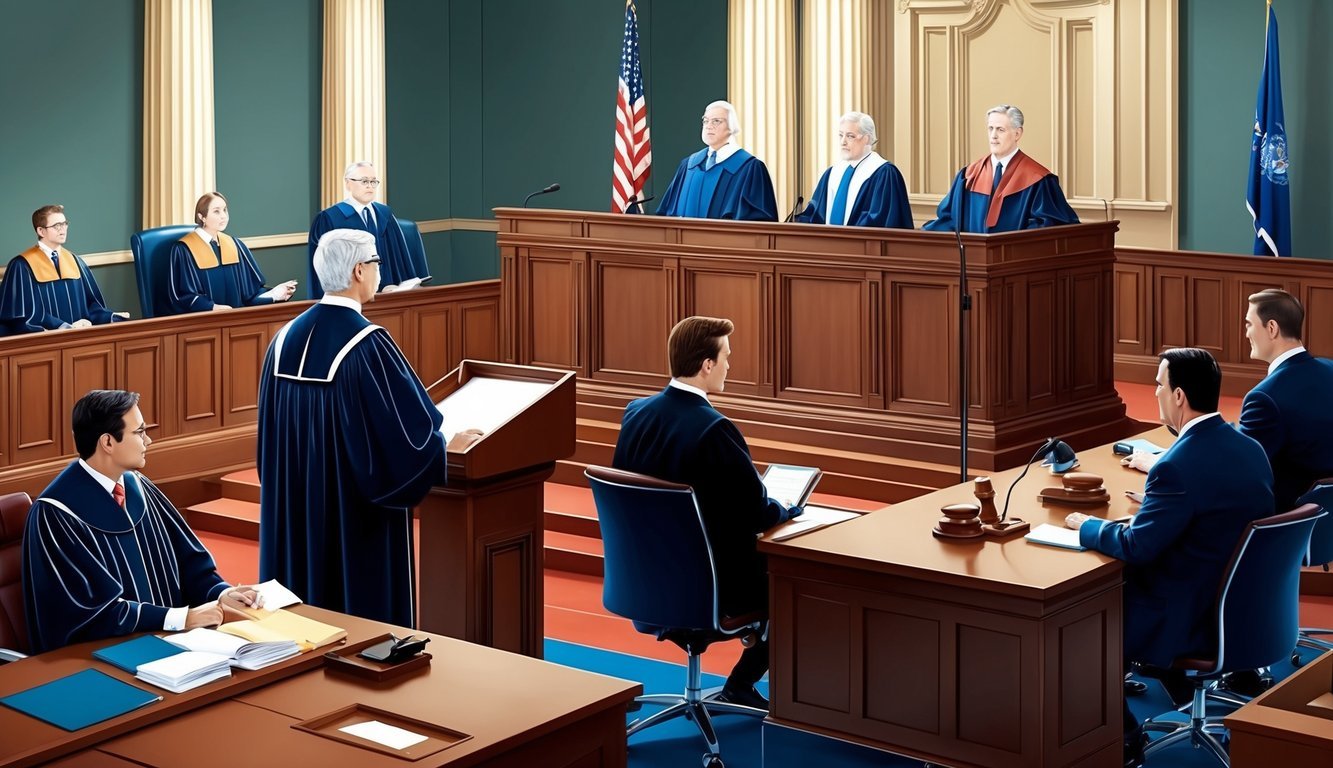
{"type": "Point", "coordinates": [372, 260]}
{"type": "Point", "coordinates": [716, 122]}
{"type": "Point", "coordinates": [367, 182]}
{"type": "Point", "coordinates": [57, 225]}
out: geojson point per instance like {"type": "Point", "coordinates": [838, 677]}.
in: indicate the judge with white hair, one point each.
{"type": "Point", "coordinates": [399, 269]}
{"type": "Point", "coordinates": [720, 181]}
{"type": "Point", "coordinates": [862, 189]}
{"type": "Point", "coordinates": [349, 442]}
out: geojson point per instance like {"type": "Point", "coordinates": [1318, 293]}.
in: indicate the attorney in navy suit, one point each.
{"type": "Point", "coordinates": [677, 435]}
{"type": "Point", "coordinates": [1290, 412]}
{"type": "Point", "coordinates": [360, 211]}
{"type": "Point", "coordinates": [1210, 484]}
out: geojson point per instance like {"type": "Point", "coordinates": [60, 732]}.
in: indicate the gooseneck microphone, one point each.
{"type": "Point", "coordinates": [545, 190]}
{"type": "Point", "coordinates": [964, 306]}
{"type": "Point", "coordinates": [795, 209]}
{"type": "Point", "coordinates": [1054, 445]}
{"type": "Point", "coordinates": [635, 202]}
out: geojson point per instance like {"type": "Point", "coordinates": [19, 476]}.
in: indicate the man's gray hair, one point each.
{"type": "Point", "coordinates": [1015, 114]}
{"type": "Point", "coordinates": [865, 124]}
{"type": "Point", "coordinates": [351, 169]}
{"type": "Point", "coordinates": [733, 122]}
{"type": "Point", "coordinates": [338, 253]}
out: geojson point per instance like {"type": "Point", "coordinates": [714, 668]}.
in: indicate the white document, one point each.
{"type": "Point", "coordinates": [411, 282]}
{"type": "Point", "coordinates": [813, 518]}
{"type": "Point", "coordinates": [486, 404]}
{"type": "Point", "coordinates": [1055, 536]}
{"type": "Point", "coordinates": [276, 595]}
{"type": "Point", "coordinates": [788, 484]}
{"type": "Point", "coordinates": [390, 736]}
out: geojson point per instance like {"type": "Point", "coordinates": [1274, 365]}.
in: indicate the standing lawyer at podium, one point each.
{"type": "Point", "coordinates": [349, 442]}
{"type": "Point", "coordinates": [720, 181]}
{"type": "Point", "coordinates": [863, 189]}
{"type": "Point", "coordinates": [1006, 190]}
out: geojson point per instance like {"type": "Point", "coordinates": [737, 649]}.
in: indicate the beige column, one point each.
{"type": "Point", "coordinates": [845, 60]}
{"type": "Point", "coordinates": [178, 149]}
{"type": "Point", "coordinates": [761, 83]}
{"type": "Point", "coordinates": [353, 120]}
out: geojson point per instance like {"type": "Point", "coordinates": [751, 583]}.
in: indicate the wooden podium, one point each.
{"type": "Point", "coordinates": [480, 575]}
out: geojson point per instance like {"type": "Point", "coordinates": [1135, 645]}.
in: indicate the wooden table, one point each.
{"type": "Point", "coordinates": [517, 710]}
{"type": "Point", "coordinates": [1280, 728]}
{"type": "Point", "coordinates": [979, 653]}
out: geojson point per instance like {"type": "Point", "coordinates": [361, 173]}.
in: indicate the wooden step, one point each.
{"type": "Point", "coordinates": [227, 516]}
{"type": "Point", "coordinates": [242, 485]}
{"type": "Point", "coordinates": [572, 523]}
{"type": "Point", "coordinates": [573, 554]}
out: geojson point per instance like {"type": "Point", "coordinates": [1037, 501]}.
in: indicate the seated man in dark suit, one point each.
{"type": "Point", "coordinates": [676, 435]}
{"type": "Point", "coordinates": [1290, 412]}
{"type": "Point", "coordinates": [1210, 484]}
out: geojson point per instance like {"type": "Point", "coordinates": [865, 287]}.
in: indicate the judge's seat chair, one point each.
{"type": "Point", "coordinates": [152, 265]}
{"type": "Point", "coordinates": [416, 249]}
{"type": "Point", "coordinates": [1318, 639]}
{"type": "Point", "coordinates": [13, 623]}
{"type": "Point", "coordinates": [660, 574]}
{"type": "Point", "coordinates": [1257, 609]}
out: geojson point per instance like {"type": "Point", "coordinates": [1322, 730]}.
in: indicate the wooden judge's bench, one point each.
{"type": "Point", "coordinates": [845, 348]}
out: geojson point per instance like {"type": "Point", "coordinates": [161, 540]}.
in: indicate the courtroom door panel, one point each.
{"type": "Point", "coordinates": [743, 293]}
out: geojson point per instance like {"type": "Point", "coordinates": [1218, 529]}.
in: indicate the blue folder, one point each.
{"type": "Point", "coordinates": [80, 700]}
{"type": "Point", "coordinates": [141, 650]}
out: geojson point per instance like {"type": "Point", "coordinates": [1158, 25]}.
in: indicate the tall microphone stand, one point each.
{"type": "Point", "coordinates": [964, 306]}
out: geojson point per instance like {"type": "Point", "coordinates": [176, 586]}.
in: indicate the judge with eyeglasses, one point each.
{"type": "Point", "coordinates": [398, 268]}
{"type": "Point", "coordinates": [720, 181]}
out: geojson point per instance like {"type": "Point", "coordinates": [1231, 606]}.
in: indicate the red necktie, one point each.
{"type": "Point", "coordinates": [118, 493]}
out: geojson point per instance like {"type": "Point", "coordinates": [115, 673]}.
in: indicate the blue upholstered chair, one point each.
{"type": "Point", "coordinates": [152, 254]}
{"type": "Point", "coordinates": [13, 622]}
{"type": "Point", "coordinates": [1257, 610]}
{"type": "Point", "coordinates": [659, 573]}
{"type": "Point", "coordinates": [1321, 553]}
{"type": "Point", "coordinates": [416, 249]}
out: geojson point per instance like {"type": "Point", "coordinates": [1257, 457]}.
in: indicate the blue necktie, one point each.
{"type": "Point", "coordinates": [365, 216]}
{"type": "Point", "coordinates": [55, 259]}
{"type": "Point", "coordinates": [839, 213]}
{"type": "Point", "coordinates": [711, 161]}
{"type": "Point", "coordinates": [995, 182]}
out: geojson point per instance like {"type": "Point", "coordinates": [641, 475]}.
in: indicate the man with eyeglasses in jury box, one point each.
{"type": "Point", "coordinates": [398, 270]}
{"type": "Point", "coordinates": [46, 287]}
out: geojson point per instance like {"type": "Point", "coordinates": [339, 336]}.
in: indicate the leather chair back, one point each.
{"type": "Point", "coordinates": [1321, 541]}
{"type": "Point", "coordinates": [416, 249]}
{"type": "Point", "coordinates": [152, 268]}
{"type": "Point", "coordinates": [13, 622]}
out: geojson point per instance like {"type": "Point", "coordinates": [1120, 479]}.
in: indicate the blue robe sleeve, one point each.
{"type": "Point", "coordinates": [1161, 519]}
{"type": "Point", "coordinates": [187, 289]}
{"type": "Point", "coordinates": [945, 213]}
{"type": "Point", "coordinates": [751, 195]}
{"type": "Point", "coordinates": [199, 578]}
{"type": "Point", "coordinates": [1048, 206]}
{"type": "Point", "coordinates": [882, 201]}
{"type": "Point", "coordinates": [814, 212]}
{"type": "Point", "coordinates": [97, 312]}
{"type": "Point", "coordinates": [22, 309]}
{"type": "Point", "coordinates": [249, 280]}
{"type": "Point", "coordinates": [400, 453]}
{"type": "Point", "coordinates": [396, 262]}
{"type": "Point", "coordinates": [671, 197]}
{"type": "Point", "coordinates": [318, 227]}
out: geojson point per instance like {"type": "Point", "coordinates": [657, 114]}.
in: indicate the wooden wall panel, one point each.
{"type": "Point", "coordinates": [1132, 310]}
{"type": "Point", "coordinates": [478, 322]}
{"type": "Point", "coordinates": [200, 380]}
{"type": "Point", "coordinates": [1089, 295]}
{"type": "Point", "coordinates": [551, 333]}
{"type": "Point", "coordinates": [1038, 317]}
{"type": "Point", "coordinates": [743, 296]}
{"type": "Point", "coordinates": [243, 350]}
{"type": "Point", "coordinates": [36, 408]}
{"type": "Point", "coordinates": [821, 319]}
{"type": "Point", "coordinates": [625, 349]}
{"type": "Point", "coordinates": [83, 369]}
{"type": "Point", "coordinates": [436, 343]}
{"type": "Point", "coordinates": [922, 330]}
{"type": "Point", "coordinates": [141, 366]}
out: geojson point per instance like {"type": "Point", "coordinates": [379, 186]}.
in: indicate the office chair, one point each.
{"type": "Point", "coordinates": [1257, 608]}
{"type": "Point", "coordinates": [416, 249]}
{"type": "Point", "coordinates": [660, 574]}
{"type": "Point", "coordinates": [1321, 553]}
{"type": "Point", "coordinates": [13, 622]}
{"type": "Point", "coordinates": [152, 267]}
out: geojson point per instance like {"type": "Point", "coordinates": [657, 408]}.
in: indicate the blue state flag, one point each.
{"type": "Point", "coordinates": [1268, 195]}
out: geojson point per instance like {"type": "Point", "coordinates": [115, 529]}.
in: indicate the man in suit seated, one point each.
{"type": "Point", "coordinates": [863, 189]}
{"type": "Point", "coordinates": [1005, 190]}
{"type": "Point", "coordinates": [1198, 498]}
{"type": "Point", "coordinates": [720, 181]}
{"type": "Point", "coordinates": [677, 435]}
{"type": "Point", "coordinates": [104, 552]}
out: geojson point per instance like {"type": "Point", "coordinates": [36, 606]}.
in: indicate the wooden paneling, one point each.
{"type": "Point", "coordinates": [745, 297]}
{"type": "Point", "coordinates": [923, 338]}
{"type": "Point", "coordinates": [818, 359]}
{"type": "Point", "coordinates": [197, 376]}
{"type": "Point", "coordinates": [634, 300]}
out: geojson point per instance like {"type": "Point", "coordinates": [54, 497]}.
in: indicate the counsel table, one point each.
{"type": "Point", "coordinates": [518, 711]}
{"type": "Point", "coordinates": [982, 653]}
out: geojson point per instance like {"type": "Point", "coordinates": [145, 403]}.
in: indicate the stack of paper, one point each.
{"type": "Point", "coordinates": [240, 653]}
{"type": "Point", "coordinates": [284, 625]}
{"type": "Point", "coordinates": [184, 671]}
{"type": "Point", "coordinates": [1055, 536]}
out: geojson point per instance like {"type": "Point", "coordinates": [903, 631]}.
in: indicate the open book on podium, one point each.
{"type": "Point", "coordinates": [526, 415]}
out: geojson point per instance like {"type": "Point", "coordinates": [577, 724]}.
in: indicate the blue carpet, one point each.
{"type": "Point", "coordinates": [749, 743]}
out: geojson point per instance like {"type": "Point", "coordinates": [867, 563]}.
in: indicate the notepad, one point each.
{"type": "Point", "coordinates": [80, 700]}
{"type": "Point", "coordinates": [1055, 536]}
{"type": "Point", "coordinates": [813, 518]}
{"type": "Point", "coordinates": [131, 653]}
{"type": "Point", "coordinates": [270, 626]}
{"type": "Point", "coordinates": [184, 671]}
{"type": "Point", "coordinates": [241, 653]}
{"type": "Point", "coordinates": [790, 485]}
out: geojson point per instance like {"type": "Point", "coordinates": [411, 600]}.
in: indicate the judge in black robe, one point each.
{"type": "Point", "coordinates": [720, 181]}
{"type": "Point", "coordinates": [47, 287]}
{"type": "Point", "coordinates": [349, 442]}
{"type": "Point", "coordinates": [398, 265]}
{"type": "Point", "coordinates": [863, 189]}
{"type": "Point", "coordinates": [96, 567]}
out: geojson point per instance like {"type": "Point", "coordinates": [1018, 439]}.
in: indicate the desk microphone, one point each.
{"type": "Point", "coordinates": [545, 190]}
{"type": "Point", "coordinates": [635, 202]}
{"type": "Point", "coordinates": [1062, 454]}
{"type": "Point", "coordinates": [795, 208]}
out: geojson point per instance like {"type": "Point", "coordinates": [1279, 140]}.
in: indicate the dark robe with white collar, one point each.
{"type": "Point", "coordinates": [397, 263]}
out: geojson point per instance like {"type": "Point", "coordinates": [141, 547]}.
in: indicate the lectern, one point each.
{"type": "Point", "coordinates": [480, 575]}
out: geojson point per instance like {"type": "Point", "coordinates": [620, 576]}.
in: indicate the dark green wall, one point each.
{"type": "Point", "coordinates": [1221, 54]}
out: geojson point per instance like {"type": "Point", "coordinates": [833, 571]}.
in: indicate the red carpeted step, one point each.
{"type": "Point", "coordinates": [242, 485]}
{"type": "Point", "coordinates": [576, 554]}
{"type": "Point", "coordinates": [229, 516]}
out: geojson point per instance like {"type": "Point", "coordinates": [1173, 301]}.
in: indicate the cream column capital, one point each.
{"type": "Point", "coordinates": [353, 114]}
{"type": "Point", "coordinates": [761, 84]}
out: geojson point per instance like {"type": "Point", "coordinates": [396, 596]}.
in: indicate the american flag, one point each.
{"type": "Point", "coordinates": [634, 156]}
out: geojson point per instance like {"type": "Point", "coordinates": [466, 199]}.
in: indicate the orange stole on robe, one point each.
{"type": "Point", "coordinates": [43, 271]}
{"type": "Point", "coordinates": [203, 254]}
{"type": "Point", "coordinates": [1021, 173]}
